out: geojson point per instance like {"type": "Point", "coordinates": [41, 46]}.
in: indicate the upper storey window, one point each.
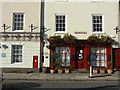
{"type": "Point", "coordinates": [61, 23]}
{"type": "Point", "coordinates": [97, 23]}
{"type": "Point", "coordinates": [18, 21]}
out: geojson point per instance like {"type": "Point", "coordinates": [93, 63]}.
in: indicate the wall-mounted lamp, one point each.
{"type": "Point", "coordinates": [117, 29]}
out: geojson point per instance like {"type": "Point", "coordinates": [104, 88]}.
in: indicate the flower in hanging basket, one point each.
{"type": "Point", "coordinates": [92, 38]}
{"type": "Point", "coordinates": [69, 39]}
{"type": "Point", "coordinates": [102, 39]}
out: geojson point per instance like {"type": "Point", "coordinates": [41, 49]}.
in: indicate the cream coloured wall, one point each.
{"type": "Point", "coordinates": [31, 11]}
{"type": "Point", "coordinates": [29, 50]}
{"type": "Point", "coordinates": [82, 1]}
{"type": "Point", "coordinates": [119, 27]}
{"type": "Point", "coordinates": [79, 16]}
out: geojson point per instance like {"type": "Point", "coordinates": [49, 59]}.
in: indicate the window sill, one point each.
{"type": "Point", "coordinates": [61, 0]}
{"type": "Point", "coordinates": [97, 1]}
{"type": "Point", "coordinates": [18, 31]}
{"type": "Point", "coordinates": [60, 32]}
{"type": "Point", "coordinates": [98, 33]}
{"type": "Point", "coordinates": [17, 63]}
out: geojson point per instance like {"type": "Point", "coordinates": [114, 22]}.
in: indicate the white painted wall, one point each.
{"type": "Point", "coordinates": [30, 49]}
{"type": "Point", "coordinates": [31, 11]}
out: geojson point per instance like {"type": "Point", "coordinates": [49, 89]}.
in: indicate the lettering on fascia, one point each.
{"type": "Point", "coordinates": [80, 32]}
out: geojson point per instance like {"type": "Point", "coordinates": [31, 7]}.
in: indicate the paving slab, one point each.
{"type": "Point", "coordinates": [28, 76]}
{"type": "Point", "coordinates": [56, 76]}
{"type": "Point", "coordinates": [42, 77]}
{"type": "Point", "coordinates": [10, 75]}
{"type": "Point", "coordinates": [22, 76]}
{"type": "Point", "coordinates": [34, 76]}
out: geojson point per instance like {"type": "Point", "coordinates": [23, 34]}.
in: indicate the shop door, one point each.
{"type": "Point", "coordinates": [117, 58]}
{"type": "Point", "coordinates": [79, 63]}
{"type": "Point", "coordinates": [35, 61]}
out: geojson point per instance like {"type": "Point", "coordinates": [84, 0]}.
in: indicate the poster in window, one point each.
{"type": "Point", "coordinates": [81, 51]}
{"type": "Point", "coordinates": [80, 55]}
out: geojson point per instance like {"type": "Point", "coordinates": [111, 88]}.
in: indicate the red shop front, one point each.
{"type": "Point", "coordinates": [81, 55]}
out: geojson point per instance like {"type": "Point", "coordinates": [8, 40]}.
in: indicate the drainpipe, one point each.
{"type": "Point", "coordinates": [41, 35]}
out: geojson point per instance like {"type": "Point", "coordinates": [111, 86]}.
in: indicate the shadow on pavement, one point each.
{"type": "Point", "coordinates": [101, 75]}
{"type": "Point", "coordinates": [16, 86]}
{"type": "Point", "coordinates": [31, 87]}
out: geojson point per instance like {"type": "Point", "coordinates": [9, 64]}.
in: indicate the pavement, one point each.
{"type": "Point", "coordinates": [61, 77]}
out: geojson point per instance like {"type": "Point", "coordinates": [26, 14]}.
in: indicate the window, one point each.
{"type": "Point", "coordinates": [60, 23]}
{"type": "Point", "coordinates": [98, 57]}
{"type": "Point", "coordinates": [63, 56]}
{"type": "Point", "coordinates": [97, 23]}
{"type": "Point", "coordinates": [18, 21]}
{"type": "Point", "coordinates": [16, 53]}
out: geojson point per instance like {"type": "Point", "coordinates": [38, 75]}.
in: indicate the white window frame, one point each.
{"type": "Point", "coordinates": [23, 22]}
{"type": "Point", "coordinates": [65, 23]}
{"type": "Point", "coordinates": [98, 32]}
{"type": "Point", "coordinates": [61, 0]}
{"type": "Point", "coordinates": [97, 0]}
{"type": "Point", "coordinates": [19, 54]}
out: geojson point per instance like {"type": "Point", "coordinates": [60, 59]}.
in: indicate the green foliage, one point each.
{"type": "Point", "coordinates": [68, 38]}
{"type": "Point", "coordinates": [92, 38]}
{"type": "Point", "coordinates": [118, 68]}
{"type": "Point", "coordinates": [102, 39]}
{"type": "Point", "coordinates": [53, 60]}
{"type": "Point", "coordinates": [102, 68]}
{"type": "Point", "coordinates": [54, 39]}
{"type": "Point", "coordinates": [95, 68]}
{"type": "Point", "coordinates": [110, 64]}
{"type": "Point", "coordinates": [66, 68]}
{"type": "Point", "coordinates": [60, 69]}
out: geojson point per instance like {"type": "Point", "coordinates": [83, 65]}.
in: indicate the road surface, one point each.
{"type": "Point", "coordinates": [69, 85]}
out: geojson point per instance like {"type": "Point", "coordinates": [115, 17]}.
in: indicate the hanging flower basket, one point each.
{"type": "Point", "coordinates": [92, 38]}
{"type": "Point", "coordinates": [68, 38]}
{"type": "Point", "coordinates": [101, 39]}
{"type": "Point", "coordinates": [54, 39]}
